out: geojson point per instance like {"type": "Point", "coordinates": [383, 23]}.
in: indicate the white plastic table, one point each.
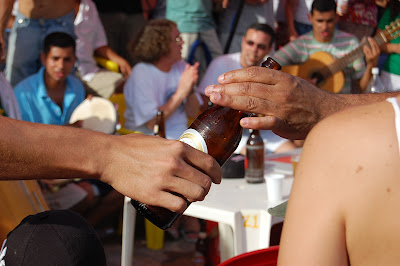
{"type": "Point", "coordinates": [241, 210]}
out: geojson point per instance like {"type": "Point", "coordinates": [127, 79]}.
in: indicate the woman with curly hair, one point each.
{"type": "Point", "coordinates": [160, 80]}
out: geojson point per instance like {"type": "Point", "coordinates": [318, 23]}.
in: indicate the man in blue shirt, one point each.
{"type": "Point", "coordinates": [51, 95]}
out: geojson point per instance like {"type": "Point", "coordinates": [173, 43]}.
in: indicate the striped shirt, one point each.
{"type": "Point", "coordinates": [299, 50]}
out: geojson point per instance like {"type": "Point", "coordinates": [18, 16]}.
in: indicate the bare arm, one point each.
{"type": "Point", "coordinates": [5, 14]}
{"type": "Point", "coordinates": [291, 105]}
{"type": "Point", "coordinates": [107, 52]}
{"type": "Point", "coordinates": [185, 87]}
{"type": "Point", "coordinates": [390, 48]}
{"type": "Point", "coordinates": [289, 12]}
{"type": "Point", "coordinates": [371, 53]}
{"type": "Point", "coordinates": [142, 167]}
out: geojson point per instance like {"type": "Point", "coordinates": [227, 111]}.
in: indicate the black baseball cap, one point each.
{"type": "Point", "coordinates": [57, 237]}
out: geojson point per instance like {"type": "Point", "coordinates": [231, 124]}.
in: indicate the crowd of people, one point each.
{"type": "Point", "coordinates": [182, 56]}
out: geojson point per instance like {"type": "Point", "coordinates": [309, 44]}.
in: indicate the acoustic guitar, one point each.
{"type": "Point", "coordinates": [327, 71]}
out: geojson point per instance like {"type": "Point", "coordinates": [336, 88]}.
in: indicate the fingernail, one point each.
{"type": "Point", "coordinates": [244, 122]}
{"type": "Point", "coordinates": [221, 78]}
{"type": "Point", "coordinates": [215, 97]}
{"type": "Point", "coordinates": [209, 89]}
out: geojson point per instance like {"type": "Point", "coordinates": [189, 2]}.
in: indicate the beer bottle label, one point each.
{"type": "Point", "coordinates": [156, 128]}
{"type": "Point", "coordinates": [194, 139]}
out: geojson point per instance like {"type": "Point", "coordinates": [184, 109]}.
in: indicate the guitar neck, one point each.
{"type": "Point", "coordinates": [341, 63]}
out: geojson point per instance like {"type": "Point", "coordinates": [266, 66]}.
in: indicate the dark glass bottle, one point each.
{"type": "Point", "coordinates": [254, 167]}
{"type": "Point", "coordinates": [201, 248]}
{"type": "Point", "coordinates": [271, 63]}
{"type": "Point", "coordinates": [216, 131]}
{"type": "Point", "coordinates": [159, 126]}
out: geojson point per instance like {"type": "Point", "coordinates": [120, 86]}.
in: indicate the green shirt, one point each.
{"type": "Point", "coordinates": [392, 64]}
{"type": "Point", "coordinates": [191, 16]}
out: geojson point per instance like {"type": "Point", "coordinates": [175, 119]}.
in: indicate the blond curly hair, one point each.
{"type": "Point", "coordinates": [152, 41]}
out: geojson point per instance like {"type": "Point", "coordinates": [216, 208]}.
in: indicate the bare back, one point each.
{"type": "Point", "coordinates": [373, 219]}
{"type": "Point", "coordinates": [343, 209]}
{"type": "Point", "coordinates": [45, 8]}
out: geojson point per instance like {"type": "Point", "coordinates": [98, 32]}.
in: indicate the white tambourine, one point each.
{"type": "Point", "coordinates": [97, 114]}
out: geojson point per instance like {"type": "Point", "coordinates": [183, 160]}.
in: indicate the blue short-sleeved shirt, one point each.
{"type": "Point", "coordinates": [36, 105]}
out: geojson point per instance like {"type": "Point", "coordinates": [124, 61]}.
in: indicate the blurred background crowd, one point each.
{"type": "Point", "coordinates": [162, 54]}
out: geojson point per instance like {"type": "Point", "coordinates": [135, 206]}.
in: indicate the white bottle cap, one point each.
{"type": "Point", "coordinates": [375, 71]}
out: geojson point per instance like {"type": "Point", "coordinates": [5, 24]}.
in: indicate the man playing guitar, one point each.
{"type": "Point", "coordinates": [335, 43]}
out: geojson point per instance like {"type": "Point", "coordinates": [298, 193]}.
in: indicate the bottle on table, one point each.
{"type": "Point", "coordinates": [216, 131]}
{"type": "Point", "coordinates": [159, 126]}
{"type": "Point", "coordinates": [254, 166]}
{"type": "Point", "coordinates": [201, 248]}
{"type": "Point", "coordinates": [375, 85]}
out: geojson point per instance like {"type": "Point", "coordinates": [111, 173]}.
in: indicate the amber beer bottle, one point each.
{"type": "Point", "coordinates": [159, 126]}
{"type": "Point", "coordinates": [254, 166]}
{"type": "Point", "coordinates": [216, 131]}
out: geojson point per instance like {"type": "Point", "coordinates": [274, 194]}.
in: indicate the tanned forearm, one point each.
{"type": "Point", "coordinates": [289, 12]}
{"type": "Point", "coordinates": [348, 100]}
{"type": "Point", "coordinates": [108, 53]}
{"type": "Point", "coordinates": [33, 151]}
{"type": "Point", "coordinates": [136, 165]}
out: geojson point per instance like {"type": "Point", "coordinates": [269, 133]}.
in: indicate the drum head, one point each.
{"type": "Point", "coordinates": [97, 114]}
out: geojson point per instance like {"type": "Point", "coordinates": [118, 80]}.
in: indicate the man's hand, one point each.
{"type": "Point", "coordinates": [148, 168]}
{"type": "Point", "coordinates": [291, 106]}
{"type": "Point", "coordinates": [372, 52]}
{"type": "Point", "coordinates": [124, 67]}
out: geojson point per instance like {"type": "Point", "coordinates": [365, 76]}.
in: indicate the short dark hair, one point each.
{"type": "Point", "coordinates": [58, 39]}
{"type": "Point", "coordinates": [264, 28]}
{"type": "Point", "coordinates": [323, 5]}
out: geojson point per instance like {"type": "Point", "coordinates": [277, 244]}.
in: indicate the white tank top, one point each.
{"type": "Point", "coordinates": [396, 108]}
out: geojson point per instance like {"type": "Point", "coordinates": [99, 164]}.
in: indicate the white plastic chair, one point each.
{"type": "Point", "coordinates": [128, 233]}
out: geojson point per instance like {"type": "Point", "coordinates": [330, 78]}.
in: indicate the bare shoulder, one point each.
{"type": "Point", "coordinates": [357, 143]}
{"type": "Point", "coordinates": [364, 150]}
{"type": "Point", "coordinates": [368, 127]}
{"type": "Point", "coordinates": [348, 179]}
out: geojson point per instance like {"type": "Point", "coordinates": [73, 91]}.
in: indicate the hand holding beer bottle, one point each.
{"type": "Point", "coordinates": [216, 131]}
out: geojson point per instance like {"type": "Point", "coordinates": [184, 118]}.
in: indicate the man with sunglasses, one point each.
{"type": "Point", "coordinates": [256, 45]}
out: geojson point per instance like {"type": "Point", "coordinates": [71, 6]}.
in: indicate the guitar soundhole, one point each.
{"type": "Point", "coordinates": [317, 76]}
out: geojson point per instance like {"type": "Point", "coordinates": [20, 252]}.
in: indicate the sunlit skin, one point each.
{"type": "Point", "coordinates": [255, 46]}
{"type": "Point", "coordinates": [324, 24]}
